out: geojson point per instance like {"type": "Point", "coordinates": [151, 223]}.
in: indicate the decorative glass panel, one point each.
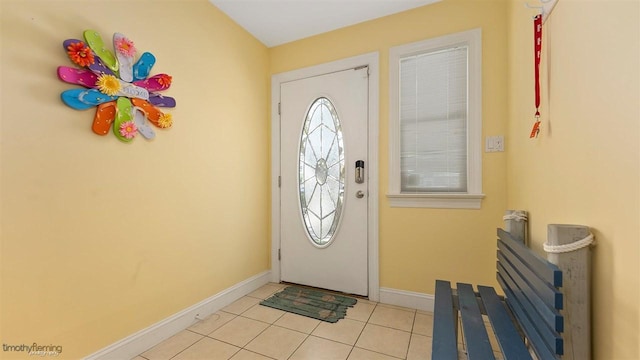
{"type": "Point", "coordinates": [321, 172]}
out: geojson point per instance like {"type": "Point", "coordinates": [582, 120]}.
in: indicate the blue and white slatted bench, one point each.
{"type": "Point", "coordinates": [526, 319]}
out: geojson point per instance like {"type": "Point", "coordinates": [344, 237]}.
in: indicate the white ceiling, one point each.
{"type": "Point", "coordinates": [275, 22]}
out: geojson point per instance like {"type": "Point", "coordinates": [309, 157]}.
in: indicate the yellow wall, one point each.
{"type": "Point", "coordinates": [420, 245]}
{"type": "Point", "coordinates": [101, 239]}
{"type": "Point", "coordinates": [585, 166]}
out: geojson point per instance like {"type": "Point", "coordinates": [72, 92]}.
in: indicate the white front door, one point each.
{"type": "Point", "coordinates": [324, 206]}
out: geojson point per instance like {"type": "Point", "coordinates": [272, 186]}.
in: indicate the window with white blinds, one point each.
{"type": "Point", "coordinates": [436, 122]}
{"type": "Point", "coordinates": [433, 121]}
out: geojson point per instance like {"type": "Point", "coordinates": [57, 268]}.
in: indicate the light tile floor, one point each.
{"type": "Point", "coordinates": [247, 330]}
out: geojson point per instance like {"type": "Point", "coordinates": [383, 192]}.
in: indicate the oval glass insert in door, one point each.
{"type": "Point", "coordinates": [321, 174]}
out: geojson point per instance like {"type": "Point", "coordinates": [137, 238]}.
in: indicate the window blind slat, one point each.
{"type": "Point", "coordinates": [433, 121]}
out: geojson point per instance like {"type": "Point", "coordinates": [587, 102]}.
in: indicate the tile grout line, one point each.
{"type": "Point", "coordinates": [185, 349]}
{"type": "Point", "coordinates": [361, 331]}
{"type": "Point", "coordinates": [364, 327]}
{"type": "Point", "coordinates": [257, 335]}
{"type": "Point", "coordinates": [309, 334]}
{"type": "Point", "coordinates": [298, 347]}
{"type": "Point", "coordinates": [240, 348]}
{"type": "Point", "coordinates": [413, 325]}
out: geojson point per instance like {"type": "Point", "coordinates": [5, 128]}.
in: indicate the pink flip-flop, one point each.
{"type": "Point", "coordinates": [86, 78]}
{"type": "Point", "coordinates": [155, 83]}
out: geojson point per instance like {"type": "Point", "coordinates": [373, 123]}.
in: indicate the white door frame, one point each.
{"type": "Point", "coordinates": [370, 59]}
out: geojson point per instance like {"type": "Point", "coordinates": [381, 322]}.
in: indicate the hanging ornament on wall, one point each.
{"type": "Point", "coordinates": [537, 53]}
{"type": "Point", "coordinates": [119, 87]}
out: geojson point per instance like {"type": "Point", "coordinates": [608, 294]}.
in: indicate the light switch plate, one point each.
{"type": "Point", "coordinates": [494, 143]}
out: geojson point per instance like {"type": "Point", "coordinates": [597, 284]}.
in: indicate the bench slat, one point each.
{"type": "Point", "coordinates": [548, 271]}
{"type": "Point", "coordinates": [445, 318]}
{"type": "Point", "coordinates": [544, 304]}
{"type": "Point", "coordinates": [540, 347]}
{"type": "Point", "coordinates": [544, 339]}
{"type": "Point", "coordinates": [528, 281]}
{"type": "Point", "coordinates": [533, 283]}
{"type": "Point", "coordinates": [533, 300]}
{"type": "Point", "coordinates": [509, 339]}
{"type": "Point", "coordinates": [473, 328]}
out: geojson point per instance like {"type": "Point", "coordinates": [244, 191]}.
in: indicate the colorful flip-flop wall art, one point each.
{"type": "Point", "coordinates": [117, 85]}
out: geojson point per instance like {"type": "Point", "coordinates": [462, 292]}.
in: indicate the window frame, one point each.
{"type": "Point", "coordinates": [472, 198]}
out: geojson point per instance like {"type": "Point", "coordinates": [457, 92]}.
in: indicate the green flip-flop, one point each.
{"type": "Point", "coordinates": [97, 45]}
{"type": "Point", "coordinates": [124, 113]}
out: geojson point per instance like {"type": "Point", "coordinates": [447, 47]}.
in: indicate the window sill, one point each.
{"type": "Point", "coordinates": [436, 201]}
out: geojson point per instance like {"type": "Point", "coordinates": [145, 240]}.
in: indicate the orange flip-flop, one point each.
{"type": "Point", "coordinates": [105, 114]}
{"type": "Point", "coordinates": [153, 113]}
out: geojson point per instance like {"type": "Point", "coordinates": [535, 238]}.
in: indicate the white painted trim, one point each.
{"type": "Point", "coordinates": [145, 339]}
{"type": "Point", "coordinates": [473, 40]}
{"type": "Point", "coordinates": [372, 60]}
{"type": "Point", "coordinates": [437, 201]}
{"type": "Point", "coordinates": [408, 299]}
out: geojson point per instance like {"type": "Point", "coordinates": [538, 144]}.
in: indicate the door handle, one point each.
{"type": "Point", "coordinates": [359, 171]}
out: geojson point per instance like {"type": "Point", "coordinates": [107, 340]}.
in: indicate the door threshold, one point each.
{"type": "Point", "coordinates": [327, 290]}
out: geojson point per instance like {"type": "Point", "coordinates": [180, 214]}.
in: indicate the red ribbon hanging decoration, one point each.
{"type": "Point", "coordinates": [537, 52]}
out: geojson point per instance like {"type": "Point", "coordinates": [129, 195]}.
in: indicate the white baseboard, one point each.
{"type": "Point", "coordinates": [145, 339]}
{"type": "Point", "coordinates": [409, 299]}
